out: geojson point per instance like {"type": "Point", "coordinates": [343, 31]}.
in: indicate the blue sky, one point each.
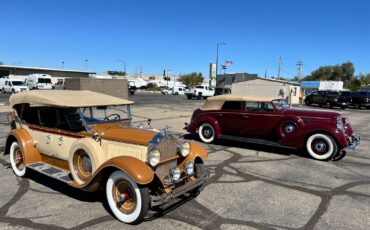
{"type": "Point", "coordinates": [182, 35]}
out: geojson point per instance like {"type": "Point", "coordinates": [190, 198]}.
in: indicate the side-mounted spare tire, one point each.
{"type": "Point", "coordinates": [85, 158]}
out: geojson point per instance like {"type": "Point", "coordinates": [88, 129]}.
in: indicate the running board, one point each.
{"type": "Point", "coordinates": [254, 141]}
{"type": "Point", "coordinates": [51, 171]}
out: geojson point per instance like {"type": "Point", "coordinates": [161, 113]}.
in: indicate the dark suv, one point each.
{"type": "Point", "coordinates": [361, 99]}
{"type": "Point", "coordinates": [327, 98]}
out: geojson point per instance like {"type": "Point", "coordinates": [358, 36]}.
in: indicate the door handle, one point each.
{"type": "Point", "coordinates": [60, 142]}
{"type": "Point", "coordinates": [47, 139]}
{"type": "Point", "coordinates": [220, 114]}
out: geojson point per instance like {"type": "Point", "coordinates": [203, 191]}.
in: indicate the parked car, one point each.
{"type": "Point", "coordinates": [325, 135]}
{"type": "Point", "coordinates": [10, 85]}
{"type": "Point", "coordinates": [59, 85]}
{"type": "Point", "coordinates": [39, 81]}
{"type": "Point", "coordinates": [200, 91]}
{"type": "Point", "coordinates": [222, 91]}
{"type": "Point", "coordinates": [326, 98]}
{"type": "Point", "coordinates": [90, 143]}
{"type": "Point", "coordinates": [361, 99]}
{"type": "Point", "coordinates": [176, 90]}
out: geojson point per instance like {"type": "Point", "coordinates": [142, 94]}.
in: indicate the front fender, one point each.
{"type": "Point", "coordinates": [24, 139]}
{"type": "Point", "coordinates": [140, 172]}
{"type": "Point", "coordinates": [298, 140]}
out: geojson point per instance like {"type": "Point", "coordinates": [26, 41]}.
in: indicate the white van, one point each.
{"type": "Point", "coordinates": [11, 85]}
{"type": "Point", "coordinates": [176, 90]}
{"type": "Point", "coordinates": [39, 81]}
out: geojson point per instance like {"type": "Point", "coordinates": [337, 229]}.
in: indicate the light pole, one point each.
{"type": "Point", "coordinates": [86, 64]}
{"type": "Point", "coordinates": [218, 44]}
{"type": "Point", "coordinates": [124, 65]}
{"type": "Point", "coordinates": [62, 64]}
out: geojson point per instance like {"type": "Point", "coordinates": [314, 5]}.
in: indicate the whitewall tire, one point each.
{"type": "Point", "coordinates": [128, 202]}
{"type": "Point", "coordinates": [17, 159]}
{"type": "Point", "coordinates": [321, 146]}
{"type": "Point", "coordinates": [206, 133]}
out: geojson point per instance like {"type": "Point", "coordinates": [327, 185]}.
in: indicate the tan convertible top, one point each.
{"type": "Point", "coordinates": [66, 98]}
{"type": "Point", "coordinates": [216, 102]}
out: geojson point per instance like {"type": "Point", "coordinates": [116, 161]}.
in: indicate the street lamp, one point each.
{"type": "Point", "coordinates": [62, 64]}
{"type": "Point", "coordinates": [218, 44]}
{"type": "Point", "coordinates": [124, 65]}
{"type": "Point", "coordinates": [86, 64]}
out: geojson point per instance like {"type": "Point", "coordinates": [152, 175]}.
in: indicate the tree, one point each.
{"type": "Point", "coordinates": [355, 84]}
{"type": "Point", "coordinates": [121, 73]}
{"type": "Point", "coordinates": [191, 79]}
{"type": "Point", "coordinates": [2, 63]}
{"type": "Point", "coordinates": [344, 72]}
{"type": "Point", "coordinates": [364, 78]}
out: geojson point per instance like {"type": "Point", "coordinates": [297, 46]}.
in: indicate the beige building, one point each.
{"type": "Point", "coordinates": [262, 87]}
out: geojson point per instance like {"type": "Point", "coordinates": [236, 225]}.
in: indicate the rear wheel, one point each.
{"type": "Point", "coordinates": [128, 202]}
{"type": "Point", "coordinates": [189, 96]}
{"type": "Point", "coordinates": [17, 160]}
{"type": "Point", "coordinates": [206, 133]}
{"type": "Point", "coordinates": [357, 106]}
{"type": "Point", "coordinates": [321, 146]}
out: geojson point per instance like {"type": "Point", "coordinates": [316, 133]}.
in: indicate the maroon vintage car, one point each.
{"type": "Point", "coordinates": [325, 135]}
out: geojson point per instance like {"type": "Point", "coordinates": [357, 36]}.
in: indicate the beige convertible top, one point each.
{"type": "Point", "coordinates": [216, 102]}
{"type": "Point", "coordinates": [66, 98]}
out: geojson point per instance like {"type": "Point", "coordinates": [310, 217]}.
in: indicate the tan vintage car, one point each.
{"type": "Point", "coordinates": [86, 140]}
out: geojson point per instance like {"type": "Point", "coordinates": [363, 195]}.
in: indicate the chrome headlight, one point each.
{"type": "Point", "coordinates": [175, 174]}
{"type": "Point", "coordinates": [184, 149]}
{"type": "Point", "coordinates": [189, 167]}
{"type": "Point", "coordinates": [154, 157]}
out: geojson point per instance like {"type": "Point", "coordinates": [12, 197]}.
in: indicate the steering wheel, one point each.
{"type": "Point", "coordinates": [112, 117]}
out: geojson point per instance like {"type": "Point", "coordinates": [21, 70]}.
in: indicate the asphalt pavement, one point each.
{"type": "Point", "coordinates": [251, 186]}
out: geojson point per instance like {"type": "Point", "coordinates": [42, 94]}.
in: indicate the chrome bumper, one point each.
{"type": "Point", "coordinates": [353, 141]}
{"type": "Point", "coordinates": [166, 197]}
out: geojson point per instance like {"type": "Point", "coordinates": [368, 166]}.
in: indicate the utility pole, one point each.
{"type": "Point", "coordinates": [218, 44]}
{"type": "Point", "coordinates": [280, 64]}
{"type": "Point", "coordinates": [140, 70]}
{"type": "Point", "coordinates": [299, 76]}
{"type": "Point", "coordinates": [265, 73]}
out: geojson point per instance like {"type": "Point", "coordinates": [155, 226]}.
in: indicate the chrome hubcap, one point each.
{"type": "Point", "coordinates": [320, 146]}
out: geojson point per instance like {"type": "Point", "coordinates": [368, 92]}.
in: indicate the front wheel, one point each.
{"type": "Point", "coordinates": [128, 202]}
{"type": "Point", "coordinates": [17, 160]}
{"type": "Point", "coordinates": [189, 96]}
{"type": "Point", "coordinates": [206, 133]}
{"type": "Point", "coordinates": [321, 146]}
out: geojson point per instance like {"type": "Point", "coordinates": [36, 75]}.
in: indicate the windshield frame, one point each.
{"type": "Point", "coordinates": [88, 124]}
{"type": "Point", "coordinates": [275, 104]}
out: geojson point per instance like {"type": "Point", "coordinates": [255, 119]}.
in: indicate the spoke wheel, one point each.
{"type": "Point", "coordinates": [129, 202]}
{"type": "Point", "coordinates": [17, 159]}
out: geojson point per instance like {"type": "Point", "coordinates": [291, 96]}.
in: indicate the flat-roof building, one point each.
{"type": "Point", "coordinates": [22, 72]}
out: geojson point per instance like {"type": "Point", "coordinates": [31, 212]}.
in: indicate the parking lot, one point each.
{"type": "Point", "coordinates": [250, 186]}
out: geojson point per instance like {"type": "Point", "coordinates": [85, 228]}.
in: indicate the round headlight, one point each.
{"type": "Point", "coordinates": [154, 157]}
{"type": "Point", "coordinates": [184, 149]}
{"type": "Point", "coordinates": [175, 174]}
{"type": "Point", "coordinates": [189, 167]}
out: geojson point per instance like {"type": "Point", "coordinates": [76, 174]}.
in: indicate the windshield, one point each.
{"type": "Point", "coordinates": [280, 104]}
{"type": "Point", "coordinates": [101, 114]}
{"type": "Point", "coordinates": [44, 80]}
{"type": "Point", "coordinates": [17, 83]}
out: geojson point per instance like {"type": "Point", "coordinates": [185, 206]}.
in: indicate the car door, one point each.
{"type": "Point", "coordinates": [230, 118]}
{"type": "Point", "coordinates": [69, 125]}
{"type": "Point", "coordinates": [44, 133]}
{"type": "Point", "coordinates": [259, 119]}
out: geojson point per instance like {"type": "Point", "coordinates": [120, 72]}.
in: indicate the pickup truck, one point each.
{"type": "Point", "coordinates": [199, 91]}
{"type": "Point", "coordinates": [327, 98]}
{"type": "Point", "coordinates": [361, 99]}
